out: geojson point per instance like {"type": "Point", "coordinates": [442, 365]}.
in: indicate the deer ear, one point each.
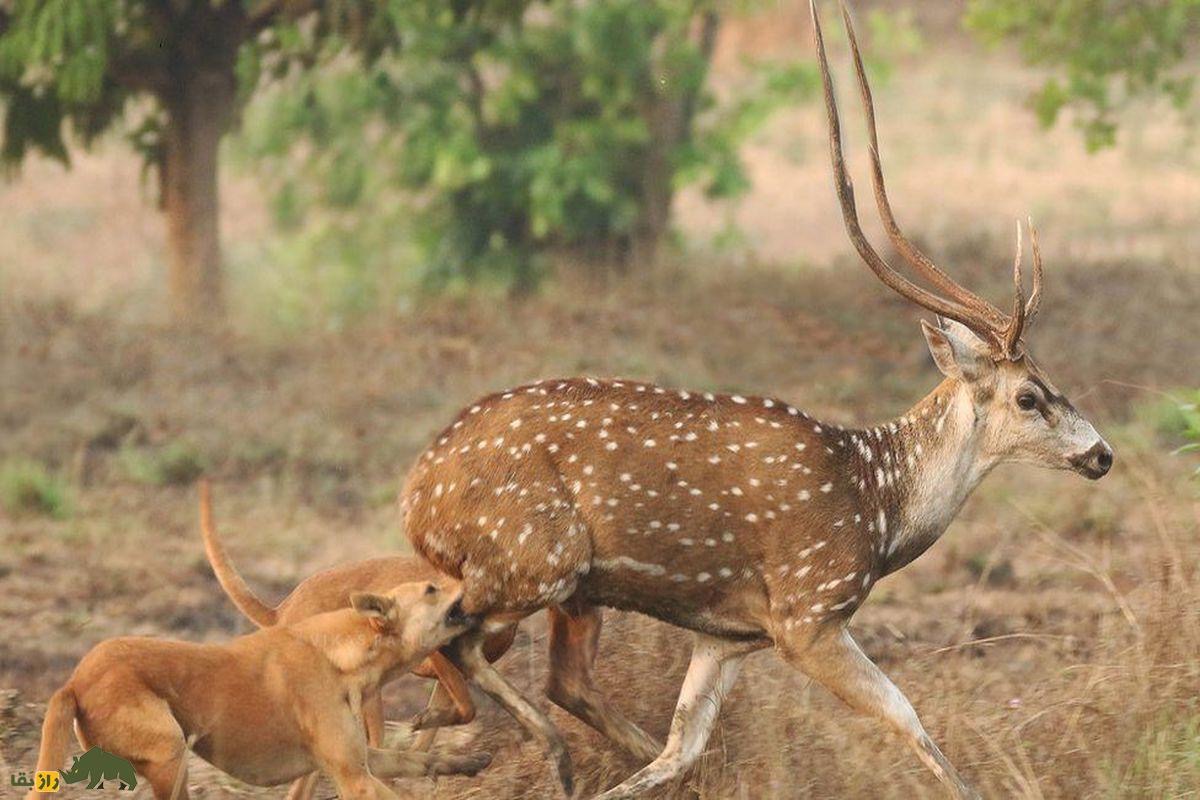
{"type": "Point", "coordinates": [376, 608]}
{"type": "Point", "coordinates": [957, 351]}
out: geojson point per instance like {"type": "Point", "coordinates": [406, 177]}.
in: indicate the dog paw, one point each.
{"type": "Point", "coordinates": [465, 765]}
{"type": "Point", "coordinates": [428, 719]}
{"type": "Point", "coordinates": [478, 763]}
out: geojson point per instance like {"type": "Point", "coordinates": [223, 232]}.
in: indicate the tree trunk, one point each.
{"type": "Point", "coordinates": [198, 112]}
{"type": "Point", "coordinates": [670, 120]}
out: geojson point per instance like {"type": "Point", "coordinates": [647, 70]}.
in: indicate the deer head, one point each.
{"type": "Point", "coordinates": [1019, 415]}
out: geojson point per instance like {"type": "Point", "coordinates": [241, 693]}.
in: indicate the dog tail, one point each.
{"type": "Point", "coordinates": [246, 600]}
{"type": "Point", "coordinates": [56, 733]}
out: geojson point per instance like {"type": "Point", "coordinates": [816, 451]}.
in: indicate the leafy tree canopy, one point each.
{"type": "Point", "coordinates": [507, 129]}
{"type": "Point", "coordinates": [1104, 53]}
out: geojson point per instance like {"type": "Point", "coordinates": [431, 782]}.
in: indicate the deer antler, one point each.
{"type": "Point", "coordinates": [1002, 332]}
{"type": "Point", "coordinates": [1035, 297]}
{"type": "Point", "coordinates": [919, 261]}
{"type": "Point", "coordinates": [1012, 329]}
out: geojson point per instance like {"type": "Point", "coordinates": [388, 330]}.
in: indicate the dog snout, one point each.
{"type": "Point", "coordinates": [1095, 462]}
{"type": "Point", "coordinates": [456, 616]}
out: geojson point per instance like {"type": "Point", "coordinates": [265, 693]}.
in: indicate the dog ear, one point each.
{"type": "Point", "coordinates": [377, 608]}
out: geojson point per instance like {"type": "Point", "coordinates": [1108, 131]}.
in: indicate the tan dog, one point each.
{"type": "Point", "coordinates": [331, 589]}
{"type": "Point", "coordinates": [266, 708]}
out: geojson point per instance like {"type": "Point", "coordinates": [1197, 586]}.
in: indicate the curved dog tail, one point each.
{"type": "Point", "coordinates": [56, 734]}
{"type": "Point", "coordinates": [242, 596]}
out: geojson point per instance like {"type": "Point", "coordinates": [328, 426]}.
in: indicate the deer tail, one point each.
{"type": "Point", "coordinates": [242, 596]}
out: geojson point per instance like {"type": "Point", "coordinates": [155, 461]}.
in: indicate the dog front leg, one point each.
{"type": "Point", "coordinates": [459, 710]}
{"type": "Point", "coordinates": [372, 714]}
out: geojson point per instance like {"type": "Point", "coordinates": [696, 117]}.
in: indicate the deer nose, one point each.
{"type": "Point", "coordinates": [1096, 462]}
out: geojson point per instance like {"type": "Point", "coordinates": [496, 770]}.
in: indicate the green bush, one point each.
{"type": "Point", "coordinates": [1102, 54]}
{"type": "Point", "coordinates": [495, 133]}
{"type": "Point", "coordinates": [176, 464]}
{"type": "Point", "coordinates": [27, 487]}
{"type": "Point", "coordinates": [1189, 424]}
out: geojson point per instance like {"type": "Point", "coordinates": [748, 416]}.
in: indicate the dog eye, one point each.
{"type": "Point", "coordinates": [430, 589]}
{"type": "Point", "coordinates": [1027, 401]}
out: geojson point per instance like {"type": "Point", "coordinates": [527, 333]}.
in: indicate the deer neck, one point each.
{"type": "Point", "coordinates": [917, 471]}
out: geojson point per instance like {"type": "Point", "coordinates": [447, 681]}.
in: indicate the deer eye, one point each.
{"type": "Point", "coordinates": [1027, 401]}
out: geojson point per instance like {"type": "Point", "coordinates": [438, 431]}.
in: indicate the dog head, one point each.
{"type": "Point", "coordinates": [416, 617]}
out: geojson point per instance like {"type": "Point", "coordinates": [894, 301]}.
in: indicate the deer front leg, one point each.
{"type": "Point", "coordinates": [834, 660]}
{"type": "Point", "coordinates": [467, 653]}
{"type": "Point", "coordinates": [574, 636]}
{"type": "Point", "coordinates": [710, 676]}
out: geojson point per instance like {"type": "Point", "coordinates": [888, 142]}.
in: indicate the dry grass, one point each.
{"type": "Point", "coordinates": [1049, 641]}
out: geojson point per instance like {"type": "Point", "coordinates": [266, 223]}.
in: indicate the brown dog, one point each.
{"type": "Point", "coordinates": [332, 589]}
{"type": "Point", "coordinates": [266, 708]}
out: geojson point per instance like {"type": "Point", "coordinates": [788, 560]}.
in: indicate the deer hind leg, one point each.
{"type": "Point", "coordinates": [834, 660]}
{"type": "Point", "coordinates": [451, 703]}
{"type": "Point", "coordinates": [468, 654]}
{"type": "Point", "coordinates": [710, 676]}
{"type": "Point", "coordinates": [574, 636]}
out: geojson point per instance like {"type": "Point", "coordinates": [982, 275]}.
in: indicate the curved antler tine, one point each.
{"type": "Point", "coordinates": [1035, 296]}
{"type": "Point", "coordinates": [920, 262]}
{"type": "Point", "coordinates": [1012, 331]}
{"type": "Point", "coordinates": [845, 193]}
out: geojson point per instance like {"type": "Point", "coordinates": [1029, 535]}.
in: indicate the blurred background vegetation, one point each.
{"type": "Point", "coordinates": [412, 143]}
{"type": "Point", "coordinates": [281, 242]}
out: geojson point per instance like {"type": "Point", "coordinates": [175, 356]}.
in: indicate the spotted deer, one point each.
{"type": "Point", "coordinates": [740, 518]}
